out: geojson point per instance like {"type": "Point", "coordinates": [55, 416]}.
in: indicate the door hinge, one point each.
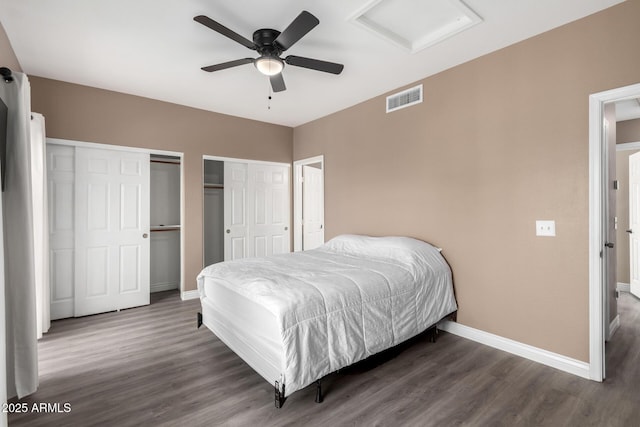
{"type": "Point", "coordinates": [600, 254]}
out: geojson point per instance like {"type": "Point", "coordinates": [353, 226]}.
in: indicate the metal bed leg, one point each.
{"type": "Point", "coordinates": [434, 334]}
{"type": "Point", "coordinates": [279, 395]}
{"type": "Point", "coordinates": [199, 320]}
{"type": "Point", "coordinates": [319, 397]}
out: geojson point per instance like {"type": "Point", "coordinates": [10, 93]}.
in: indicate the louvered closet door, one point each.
{"type": "Point", "coordinates": [112, 230]}
{"type": "Point", "coordinates": [269, 207]}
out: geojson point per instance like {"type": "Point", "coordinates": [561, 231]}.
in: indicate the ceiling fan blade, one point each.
{"type": "Point", "coordinates": [277, 83]}
{"type": "Point", "coordinates": [300, 26]}
{"type": "Point", "coordinates": [225, 65]}
{"type": "Point", "coordinates": [314, 64]}
{"type": "Point", "coordinates": [218, 27]}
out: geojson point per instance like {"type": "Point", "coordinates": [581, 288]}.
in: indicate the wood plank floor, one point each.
{"type": "Point", "coordinates": [150, 366]}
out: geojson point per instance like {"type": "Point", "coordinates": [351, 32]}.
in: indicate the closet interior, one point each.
{"type": "Point", "coordinates": [165, 223]}
{"type": "Point", "coordinates": [213, 218]}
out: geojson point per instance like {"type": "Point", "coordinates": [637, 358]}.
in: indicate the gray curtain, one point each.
{"type": "Point", "coordinates": [17, 203]}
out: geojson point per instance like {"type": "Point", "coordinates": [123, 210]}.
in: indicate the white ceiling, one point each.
{"type": "Point", "coordinates": [153, 48]}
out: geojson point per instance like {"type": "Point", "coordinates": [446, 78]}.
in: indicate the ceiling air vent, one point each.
{"type": "Point", "coordinates": [403, 99]}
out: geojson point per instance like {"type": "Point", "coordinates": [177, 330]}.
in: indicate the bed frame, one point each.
{"type": "Point", "coordinates": [279, 394]}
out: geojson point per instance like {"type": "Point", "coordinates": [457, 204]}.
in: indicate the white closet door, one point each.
{"type": "Point", "coordinates": [312, 207]}
{"type": "Point", "coordinates": [235, 210]}
{"type": "Point", "coordinates": [61, 180]}
{"type": "Point", "coordinates": [112, 230]}
{"type": "Point", "coordinates": [269, 209]}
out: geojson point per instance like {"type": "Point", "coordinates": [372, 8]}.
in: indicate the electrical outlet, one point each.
{"type": "Point", "coordinates": [545, 228]}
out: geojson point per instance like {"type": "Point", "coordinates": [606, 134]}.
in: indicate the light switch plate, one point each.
{"type": "Point", "coordinates": [545, 228]}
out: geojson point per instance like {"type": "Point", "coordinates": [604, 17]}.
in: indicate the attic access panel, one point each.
{"type": "Point", "coordinates": [416, 24]}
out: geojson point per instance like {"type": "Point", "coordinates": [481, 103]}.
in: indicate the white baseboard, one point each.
{"type": "Point", "coordinates": [613, 326]}
{"type": "Point", "coordinates": [623, 287]}
{"type": "Point", "coordinates": [187, 295]}
{"type": "Point", "coordinates": [554, 360]}
{"type": "Point", "coordinates": [161, 287]}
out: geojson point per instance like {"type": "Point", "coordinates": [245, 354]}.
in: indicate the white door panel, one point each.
{"type": "Point", "coordinates": [112, 230]}
{"type": "Point", "coordinates": [256, 209]}
{"type": "Point", "coordinates": [269, 205]}
{"type": "Point", "coordinates": [634, 223]}
{"type": "Point", "coordinates": [61, 179]}
{"type": "Point", "coordinates": [312, 207]}
{"type": "Point", "coordinates": [235, 210]}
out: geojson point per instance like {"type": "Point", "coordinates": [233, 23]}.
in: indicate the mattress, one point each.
{"type": "Point", "coordinates": [245, 327]}
{"type": "Point", "coordinates": [297, 317]}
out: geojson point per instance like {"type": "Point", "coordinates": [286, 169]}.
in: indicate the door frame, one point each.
{"type": "Point", "coordinates": [180, 155]}
{"type": "Point", "coordinates": [597, 223]}
{"type": "Point", "coordinates": [297, 196]}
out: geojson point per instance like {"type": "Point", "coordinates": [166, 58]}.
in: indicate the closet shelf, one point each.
{"type": "Point", "coordinates": [166, 161]}
{"type": "Point", "coordinates": [165, 227]}
{"type": "Point", "coordinates": [213, 186]}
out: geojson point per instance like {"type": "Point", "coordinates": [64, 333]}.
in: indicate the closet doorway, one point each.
{"type": "Point", "coordinates": [213, 211]}
{"type": "Point", "coordinates": [165, 222]}
{"type": "Point", "coordinates": [246, 208]}
{"type": "Point", "coordinates": [308, 203]}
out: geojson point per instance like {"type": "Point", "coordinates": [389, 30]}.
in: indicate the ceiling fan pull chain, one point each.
{"type": "Point", "coordinates": [269, 96]}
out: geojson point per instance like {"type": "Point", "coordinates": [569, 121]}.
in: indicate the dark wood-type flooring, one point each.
{"type": "Point", "coordinates": [150, 366]}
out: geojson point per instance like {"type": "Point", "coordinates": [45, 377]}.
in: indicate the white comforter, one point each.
{"type": "Point", "coordinates": [340, 303]}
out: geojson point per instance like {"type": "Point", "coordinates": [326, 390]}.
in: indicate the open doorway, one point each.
{"type": "Point", "coordinates": [308, 203]}
{"type": "Point", "coordinates": [603, 222]}
{"type": "Point", "coordinates": [627, 199]}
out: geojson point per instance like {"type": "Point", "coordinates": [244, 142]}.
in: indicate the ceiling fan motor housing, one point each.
{"type": "Point", "coordinates": [264, 39]}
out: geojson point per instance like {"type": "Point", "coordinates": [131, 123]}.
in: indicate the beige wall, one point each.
{"type": "Point", "coordinates": [499, 142]}
{"type": "Point", "coordinates": [7, 55]}
{"type": "Point", "coordinates": [88, 114]}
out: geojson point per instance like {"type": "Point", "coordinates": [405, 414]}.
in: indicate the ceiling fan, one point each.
{"type": "Point", "coordinates": [270, 44]}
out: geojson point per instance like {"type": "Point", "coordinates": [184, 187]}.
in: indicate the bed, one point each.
{"type": "Point", "coordinates": [297, 317]}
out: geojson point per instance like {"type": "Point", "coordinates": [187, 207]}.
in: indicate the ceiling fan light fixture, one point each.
{"type": "Point", "coordinates": [269, 65]}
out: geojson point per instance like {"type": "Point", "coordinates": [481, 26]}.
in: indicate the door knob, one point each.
{"type": "Point", "coordinates": [286, 228]}
{"type": "Point", "coordinates": [145, 235]}
{"type": "Point", "coordinates": [630, 231]}
{"type": "Point", "coordinates": [228, 231]}
{"type": "Point", "coordinates": [609, 245]}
